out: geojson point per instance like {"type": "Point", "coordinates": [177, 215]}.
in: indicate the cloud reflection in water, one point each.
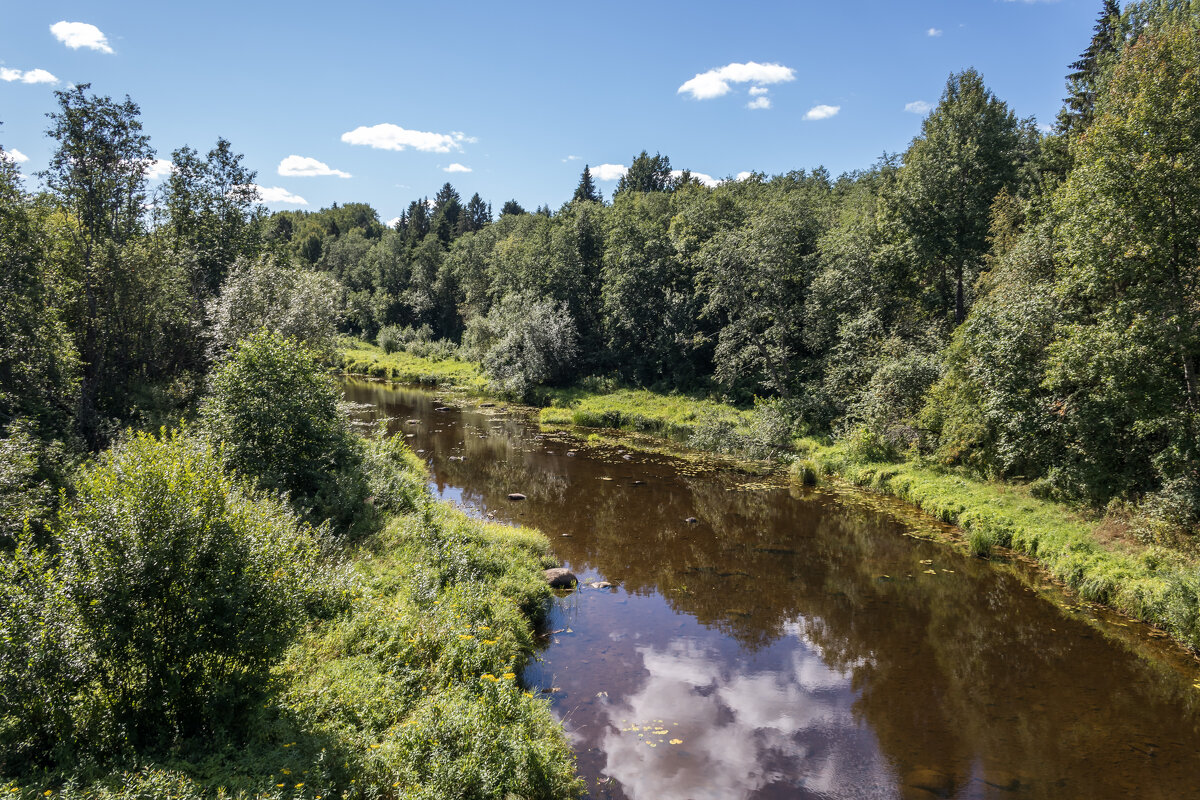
{"type": "Point", "coordinates": [786, 731]}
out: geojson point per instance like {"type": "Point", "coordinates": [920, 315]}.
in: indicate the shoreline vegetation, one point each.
{"type": "Point", "coordinates": [1088, 552]}
{"type": "Point", "coordinates": [347, 634]}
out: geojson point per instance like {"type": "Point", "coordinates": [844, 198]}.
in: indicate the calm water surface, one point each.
{"type": "Point", "coordinates": [795, 643]}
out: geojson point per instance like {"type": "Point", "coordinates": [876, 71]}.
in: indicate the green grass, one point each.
{"type": "Point", "coordinates": [356, 357]}
{"type": "Point", "coordinates": [1151, 583]}
{"type": "Point", "coordinates": [413, 691]}
{"type": "Point", "coordinates": [672, 416]}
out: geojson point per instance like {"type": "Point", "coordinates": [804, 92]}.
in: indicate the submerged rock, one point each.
{"type": "Point", "coordinates": [935, 783]}
{"type": "Point", "coordinates": [600, 585]}
{"type": "Point", "coordinates": [561, 578]}
{"type": "Point", "coordinates": [516, 496]}
{"type": "Point", "coordinates": [692, 521]}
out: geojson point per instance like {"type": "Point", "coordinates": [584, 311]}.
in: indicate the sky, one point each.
{"type": "Point", "coordinates": [384, 102]}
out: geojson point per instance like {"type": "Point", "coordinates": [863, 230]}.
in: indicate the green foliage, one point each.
{"type": "Point", "coordinates": [275, 416]}
{"type": "Point", "coordinates": [523, 344]}
{"type": "Point", "coordinates": [39, 368]}
{"type": "Point", "coordinates": [294, 303]}
{"type": "Point", "coordinates": [171, 592]}
{"type": "Point", "coordinates": [1126, 353]}
{"type": "Point", "coordinates": [389, 339]}
{"type": "Point", "coordinates": [33, 472]}
{"type": "Point", "coordinates": [969, 149]}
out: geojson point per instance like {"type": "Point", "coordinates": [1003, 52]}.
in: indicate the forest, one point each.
{"type": "Point", "coordinates": [1013, 302]}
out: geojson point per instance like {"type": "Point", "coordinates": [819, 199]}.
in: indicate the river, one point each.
{"type": "Point", "coordinates": [797, 643]}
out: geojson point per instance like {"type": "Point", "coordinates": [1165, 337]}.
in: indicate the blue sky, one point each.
{"type": "Point", "coordinates": [523, 94]}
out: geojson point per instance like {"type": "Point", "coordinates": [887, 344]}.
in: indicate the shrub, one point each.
{"type": "Point", "coordinates": [174, 590]}
{"type": "Point", "coordinates": [31, 474]}
{"type": "Point", "coordinates": [275, 414]}
{"type": "Point", "coordinates": [523, 343]}
{"type": "Point", "coordinates": [293, 302]}
{"type": "Point", "coordinates": [389, 338]}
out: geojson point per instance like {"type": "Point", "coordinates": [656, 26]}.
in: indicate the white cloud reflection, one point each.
{"type": "Point", "coordinates": [741, 729]}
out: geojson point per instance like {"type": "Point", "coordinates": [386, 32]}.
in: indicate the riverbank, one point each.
{"type": "Point", "coordinates": [1089, 554]}
{"type": "Point", "coordinates": [411, 690]}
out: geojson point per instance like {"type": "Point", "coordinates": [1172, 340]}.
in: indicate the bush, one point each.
{"type": "Point", "coordinates": [174, 591]}
{"type": "Point", "coordinates": [32, 473]}
{"type": "Point", "coordinates": [275, 415]}
{"type": "Point", "coordinates": [292, 302]}
{"type": "Point", "coordinates": [389, 338]}
{"type": "Point", "coordinates": [523, 343]}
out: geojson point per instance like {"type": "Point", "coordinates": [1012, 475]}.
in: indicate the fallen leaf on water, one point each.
{"type": "Point", "coordinates": [931, 572]}
{"type": "Point", "coordinates": [677, 741]}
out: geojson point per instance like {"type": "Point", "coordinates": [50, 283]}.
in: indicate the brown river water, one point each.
{"type": "Point", "coordinates": [802, 643]}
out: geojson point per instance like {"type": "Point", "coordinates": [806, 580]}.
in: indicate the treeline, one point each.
{"type": "Point", "coordinates": [1021, 303]}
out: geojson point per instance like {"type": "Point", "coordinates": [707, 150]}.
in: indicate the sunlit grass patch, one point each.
{"type": "Point", "coordinates": [356, 357]}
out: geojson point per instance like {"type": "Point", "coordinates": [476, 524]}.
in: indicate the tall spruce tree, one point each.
{"type": "Point", "coordinates": [586, 190]}
{"type": "Point", "coordinates": [1084, 81]}
{"type": "Point", "coordinates": [647, 174]}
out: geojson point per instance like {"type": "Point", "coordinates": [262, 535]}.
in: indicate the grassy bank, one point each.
{"type": "Point", "coordinates": [671, 416]}
{"type": "Point", "coordinates": [1089, 554]}
{"type": "Point", "coordinates": [356, 357]}
{"type": "Point", "coordinates": [410, 690]}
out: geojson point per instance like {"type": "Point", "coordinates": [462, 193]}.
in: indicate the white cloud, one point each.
{"type": "Point", "coordinates": [822, 112]}
{"type": "Point", "coordinates": [277, 194]}
{"type": "Point", "coordinates": [387, 136]}
{"type": "Point", "coordinates": [80, 34]}
{"type": "Point", "coordinates": [741, 176]}
{"type": "Point", "coordinates": [934, 32]}
{"type": "Point", "coordinates": [32, 76]}
{"type": "Point", "coordinates": [758, 91]}
{"type": "Point", "coordinates": [918, 107]}
{"type": "Point", "coordinates": [391, 223]}
{"type": "Point", "coordinates": [459, 136]}
{"type": "Point", "coordinates": [707, 180]}
{"type": "Point", "coordinates": [715, 82]}
{"type": "Point", "coordinates": [456, 167]}
{"type": "Point", "coordinates": [158, 168]}
{"type": "Point", "coordinates": [759, 102]}
{"type": "Point", "coordinates": [608, 172]}
{"type": "Point", "coordinates": [572, 158]}
{"type": "Point", "coordinates": [14, 155]}
{"type": "Point", "coordinates": [305, 167]}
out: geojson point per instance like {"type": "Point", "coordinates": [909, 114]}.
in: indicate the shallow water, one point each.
{"type": "Point", "coordinates": [796, 643]}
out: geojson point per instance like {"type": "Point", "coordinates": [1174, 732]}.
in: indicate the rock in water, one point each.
{"type": "Point", "coordinates": [516, 496]}
{"type": "Point", "coordinates": [561, 578]}
{"type": "Point", "coordinates": [692, 521]}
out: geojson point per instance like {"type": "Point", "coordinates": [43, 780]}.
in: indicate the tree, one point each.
{"type": "Point", "coordinates": [274, 413]}
{"type": "Point", "coordinates": [1126, 355]}
{"type": "Point", "coordinates": [478, 214]}
{"type": "Point", "coordinates": [295, 303]}
{"type": "Point", "coordinates": [38, 360]}
{"type": "Point", "coordinates": [512, 208]}
{"type": "Point", "coordinates": [586, 190]}
{"type": "Point", "coordinates": [970, 148]}
{"type": "Point", "coordinates": [98, 177]}
{"type": "Point", "coordinates": [1086, 73]}
{"type": "Point", "coordinates": [647, 174]}
{"type": "Point", "coordinates": [211, 205]}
